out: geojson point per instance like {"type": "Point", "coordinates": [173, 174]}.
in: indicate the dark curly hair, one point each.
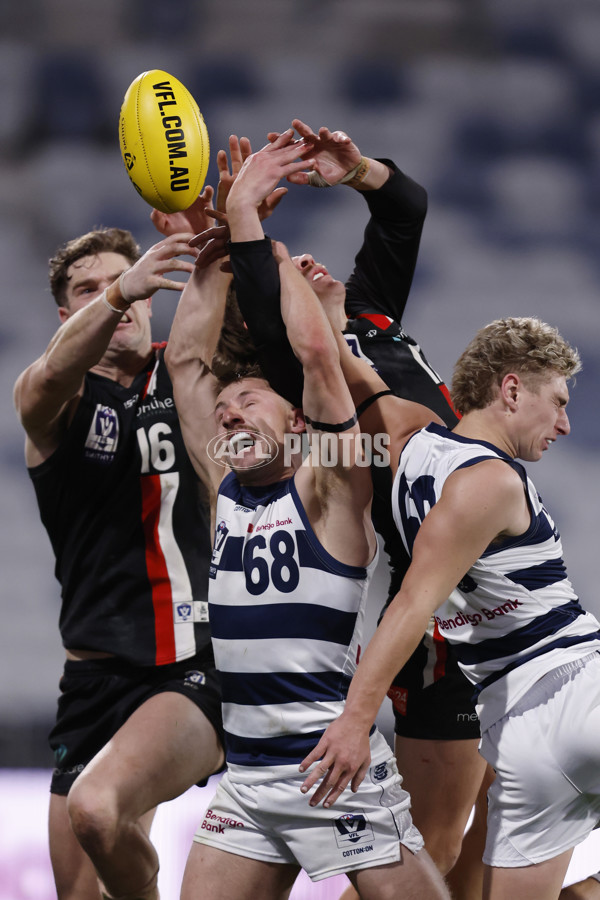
{"type": "Point", "coordinates": [100, 240]}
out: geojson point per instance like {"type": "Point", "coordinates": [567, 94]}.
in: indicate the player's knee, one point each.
{"type": "Point", "coordinates": [444, 849]}
{"type": "Point", "coordinates": [94, 817]}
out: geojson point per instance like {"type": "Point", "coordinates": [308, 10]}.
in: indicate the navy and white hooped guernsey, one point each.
{"type": "Point", "coordinates": [286, 621]}
{"type": "Point", "coordinates": [514, 615]}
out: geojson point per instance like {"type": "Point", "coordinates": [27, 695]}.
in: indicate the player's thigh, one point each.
{"type": "Point", "coordinates": [163, 748]}
{"type": "Point", "coordinates": [541, 881]}
{"type": "Point", "coordinates": [415, 877]}
{"type": "Point", "coordinates": [212, 874]}
{"type": "Point", "coordinates": [442, 777]}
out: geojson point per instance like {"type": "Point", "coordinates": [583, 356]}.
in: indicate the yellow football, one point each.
{"type": "Point", "coordinates": [164, 141]}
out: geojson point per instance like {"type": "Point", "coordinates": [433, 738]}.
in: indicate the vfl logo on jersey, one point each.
{"type": "Point", "coordinates": [352, 828]}
{"type": "Point", "coordinates": [221, 532]}
{"type": "Point", "coordinates": [184, 612]}
{"type": "Point", "coordinates": [103, 436]}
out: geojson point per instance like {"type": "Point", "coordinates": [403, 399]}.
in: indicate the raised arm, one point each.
{"type": "Point", "coordinates": [256, 276]}
{"type": "Point", "coordinates": [189, 355]}
{"type": "Point", "coordinates": [385, 264]}
{"type": "Point", "coordinates": [335, 490]}
{"type": "Point", "coordinates": [47, 392]}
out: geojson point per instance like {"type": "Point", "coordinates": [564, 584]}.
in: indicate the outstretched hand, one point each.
{"type": "Point", "coordinates": [147, 275]}
{"type": "Point", "coordinates": [261, 172]}
{"type": "Point", "coordinates": [211, 245]}
{"type": "Point", "coordinates": [333, 152]}
{"type": "Point", "coordinates": [194, 219]}
{"type": "Point", "coordinates": [240, 150]}
{"type": "Point", "coordinates": [342, 758]}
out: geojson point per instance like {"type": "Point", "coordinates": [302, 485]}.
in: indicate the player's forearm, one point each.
{"type": "Point", "coordinates": [395, 639]}
{"type": "Point", "coordinates": [257, 289]}
{"type": "Point", "coordinates": [77, 346]}
{"type": "Point", "coordinates": [398, 198]}
{"type": "Point", "coordinates": [377, 175]}
{"type": "Point", "coordinates": [198, 320]}
{"type": "Point", "coordinates": [242, 216]}
{"type": "Point", "coordinates": [307, 327]}
{"type": "Point", "coordinates": [385, 264]}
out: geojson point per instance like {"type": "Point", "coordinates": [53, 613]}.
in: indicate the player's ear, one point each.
{"type": "Point", "coordinates": [509, 388]}
{"type": "Point", "coordinates": [63, 314]}
{"type": "Point", "coordinates": [298, 421]}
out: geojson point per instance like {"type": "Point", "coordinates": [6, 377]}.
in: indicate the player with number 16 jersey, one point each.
{"type": "Point", "coordinates": [137, 591]}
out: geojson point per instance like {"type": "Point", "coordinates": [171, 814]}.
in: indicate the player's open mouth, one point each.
{"type": "Point", "coordinates": [319, 274]}
{"type": "Point", "coordinates": [240, 442]}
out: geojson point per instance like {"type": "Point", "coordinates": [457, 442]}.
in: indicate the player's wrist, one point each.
{"type": "Point", "coordinates": [123, 292]}
{"type": "Point", "coordinates": [356, 176]}
{"type": "Point", "coordinates": [113, 298]}
{"type": "Point", "coordinates": [377, 175]}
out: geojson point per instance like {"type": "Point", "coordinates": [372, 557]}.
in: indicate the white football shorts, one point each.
{"type": "Point", "coordinates": [545, 798]}
{"type": "Point", "coordinates": [273, 822]}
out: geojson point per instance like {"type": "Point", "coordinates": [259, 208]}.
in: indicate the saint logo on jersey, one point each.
{"type": "Point", "coordinates": [103, 437]}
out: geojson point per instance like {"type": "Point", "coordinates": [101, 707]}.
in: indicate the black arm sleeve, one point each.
{"type": "Point", "coordinates": [257, 288]}
{"type": "Point", "coordinates": [385, 264]}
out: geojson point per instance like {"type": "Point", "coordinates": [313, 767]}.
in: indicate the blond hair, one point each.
{"type": "Point", "coordinates": [526, 346]}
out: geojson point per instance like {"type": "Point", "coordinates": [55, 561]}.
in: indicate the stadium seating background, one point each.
{"type": "Point", "coordinates": [493, 105]}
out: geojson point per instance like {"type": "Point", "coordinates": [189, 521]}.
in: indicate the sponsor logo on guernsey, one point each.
{"type": "Point", "coordinates": [103, 437]}
{"type": "Point", "coordinates": [474, 619]}
{"type": "Point", "coordinates": [353, 833]}
{"type": "Point", "coordinates": [73, 770]}
{"type": "Point", "coordinates": [132, 401]}
{"type": "Point", "coordinates": [278, 523]}
{"type": "Point", "coordinates": [215, 823]}
{"type": "Point", "coordinates": [155, 406]}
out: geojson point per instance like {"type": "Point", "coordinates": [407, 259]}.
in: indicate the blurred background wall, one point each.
{"type": "Point", "coordinates": [492, 105]}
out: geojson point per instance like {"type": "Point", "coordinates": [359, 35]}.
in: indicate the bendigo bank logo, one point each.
{"type": "Point", "coordinates": [242, 449]}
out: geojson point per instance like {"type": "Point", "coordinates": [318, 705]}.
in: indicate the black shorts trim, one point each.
{"type": "Point", "coordinates": [98, 696]}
